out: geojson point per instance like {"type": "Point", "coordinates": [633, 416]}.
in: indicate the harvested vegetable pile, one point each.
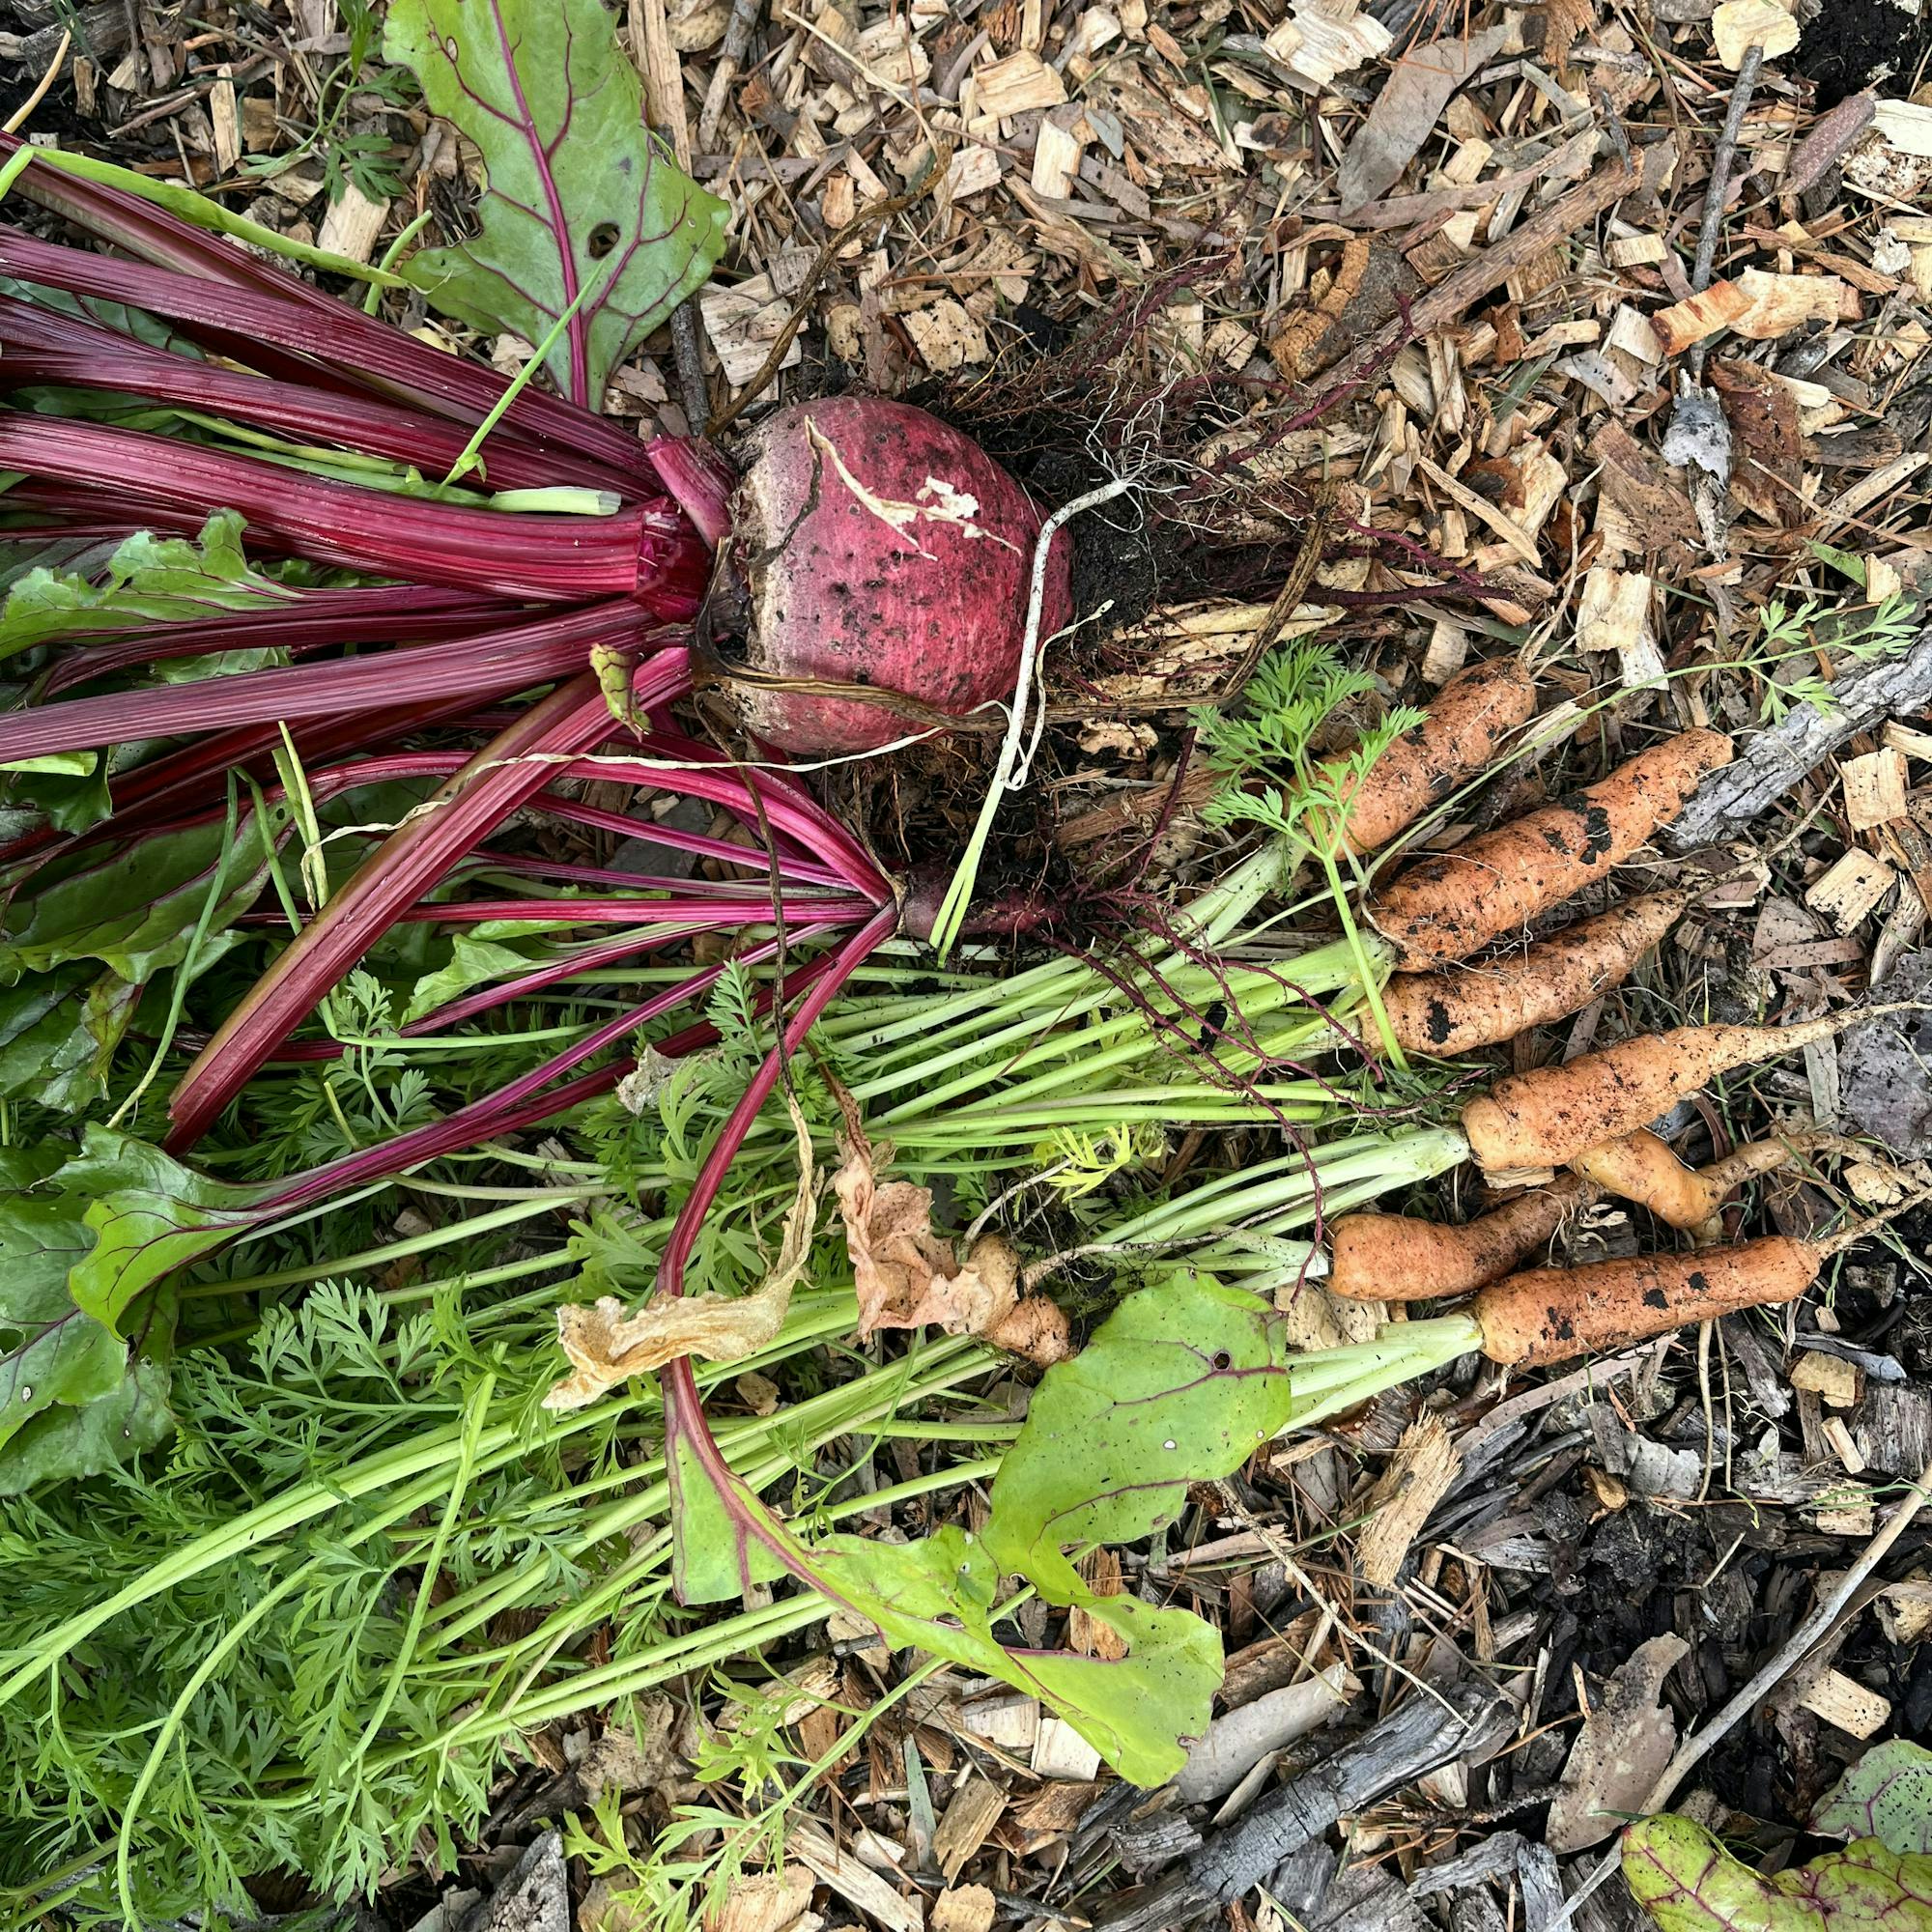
{"type": "Point", "coordinates": [797, 814]}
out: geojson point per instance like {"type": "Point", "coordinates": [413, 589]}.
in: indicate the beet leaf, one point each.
{"type": "Point", "coordinates": [149, 580]}
{"type": "Point", "coordinates": [578, 195]}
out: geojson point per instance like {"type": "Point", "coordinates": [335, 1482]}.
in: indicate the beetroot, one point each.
{"type": "Point", "coordinates": [876, 545]}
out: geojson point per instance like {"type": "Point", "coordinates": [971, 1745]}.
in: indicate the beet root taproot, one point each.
{"type": "Point", "coordinates": [875, 546]}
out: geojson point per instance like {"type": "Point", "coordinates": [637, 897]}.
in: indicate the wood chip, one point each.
{"type": "Point", "coordinates": [969, 1908]}
{"type": "Point", "coordinates": [1630, 251]}
{"type": "Point", "coordinates": [1737, 25]}
{"type": "Point", "coordinates": [857, 1884]}
{"type": "Point", "coordinates": [1017, 83]}
{"type": "Point", "coordinates": [1613, 615]}
{"type": "Point", "coordinates": [1777, 304]}
{"type": "Point", "coordinates": [761, 1902]}
{"type": "Point", "coordinates": [1417, 1478]}
{"type": "Point", "coordinates": [1061, 1753]}
{"type": "Point", "coordinates": [1012, 1722]}
{"type": "Point", "coordinates": [742, 322]}
{"type": "Point", "coordinates": [948, 335]}
{"type": "Point", "coordinates": [1875, 789]}
{"type": "Point", "coordinates": [1842, 1446]}
{"type": "Point", "coordinates": [1847, 1704]}
{"type": "Point", "coordinates": [972, 1812]}
{"type": "Point", "coordinates": [1906, 1609]}
{"type": "Point", "coordinates": [1850, 892]}
{"type": "Point", "coordinates": [1062, 140]}
{"type": "Point", "coordinates": [1318, 42]}
{"type": "Point", "coordinates": [352, 223]}
{"type": "Point", "coordinates": [1833, 1379]}
{"type": "Point", "coordinates": [1688, 322]}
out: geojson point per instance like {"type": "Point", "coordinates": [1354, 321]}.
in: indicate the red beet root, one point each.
{"type": "Point", "coordinates": [878, 547]}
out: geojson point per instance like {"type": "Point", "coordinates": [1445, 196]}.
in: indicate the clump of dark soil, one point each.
{"type": "Point", "coordinates": [1857, 44]}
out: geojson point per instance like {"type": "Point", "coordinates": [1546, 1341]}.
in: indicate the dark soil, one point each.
{"type": "Point", "coordinates": [1855, 44]}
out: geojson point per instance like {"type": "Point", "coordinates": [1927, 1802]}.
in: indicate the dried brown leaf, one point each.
{"type": "Point", "coordinates": [1406, 111]}
{"type": "Point", "coordinates": [906, 1276]}
{"type": "Point", "coordinates": [607, 1346]}
{"type": "Point", "coordinates": [1620, 1753]}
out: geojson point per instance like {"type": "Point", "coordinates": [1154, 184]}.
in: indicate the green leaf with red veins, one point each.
{"type": "Point", "coordinates": [136, 907]}
{"type": "Point", "coordinates": [58, 1033]}
{"type": "Point", "coordinates": [1688, 1882]}
{"type": "Point", "coordinates": [579, 196]}
{"type": "Point", "coordinates": [146, 1216]}
{"type": "Point", "coordinates": [1887, 1796]}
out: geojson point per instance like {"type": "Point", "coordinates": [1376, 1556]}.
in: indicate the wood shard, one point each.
{"type": "Point", "coordinates": [1850, 892]}
{"type": "Point", "coordinates": [1316, 43]}
{"type": "Point", "coordinates": [1847, 1704]}
{"type": "Point", "coordinates": [1417, 1478]}
{"type": "Point", "coordinates": [1737, 25]}
{"type": "Point", "coordinates": [1831, 1378]}
{"type": "Point", "coordinates": [1774, 306]}
{"type": "Point", "coordinates": [1688, 322]}
{"type": "Point", "coordinates": [968, 1908]}
{"type": "Point", "coordinates": [1875, 789]}
{"type": "Point", "coordinates": [1019, 82]}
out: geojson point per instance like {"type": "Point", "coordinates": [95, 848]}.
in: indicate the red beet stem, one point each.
{"type": "Point", "coordinates": [511, 769]}
{"type": "Point", "coordinates": [699, 479]}
{"type": "Point", "coordinates": [38, 346]}
{"type": "Point", "coordinates": [249, 303]}
{"type": "Point", "coordinates": [494, 663]}
{"type": "Point", "coordinates": [645, 550]}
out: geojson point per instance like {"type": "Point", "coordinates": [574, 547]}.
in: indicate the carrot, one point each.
{"type": "Point", "coordinates": [1453, 905]}
{"type": "Point", "coordinates": [1548, 1315]}
{"type": "Point", "coordinates": [1398, 1257]}
{"type": "Point", "coordinates": [1547, 1117]}
{"type": "Point", "coordinates": [1467, 720]}
{"type": "Point", "coordinates": [1457, 1012]}
{"type": "Point", "coordinates": [1640, 1167]}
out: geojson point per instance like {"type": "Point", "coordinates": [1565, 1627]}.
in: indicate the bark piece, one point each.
{"type": "Point", "coordinates": [1774, 763]}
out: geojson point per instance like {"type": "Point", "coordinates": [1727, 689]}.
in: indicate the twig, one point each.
{"type": "Point", "coordinates": [687, 352]}
{"type": "Point", "coordinates": [1789, 1655]}
{"type": "Point", "coordinates": [1716, 189]}
{"type": "Point", "coordinates": [730, 56]}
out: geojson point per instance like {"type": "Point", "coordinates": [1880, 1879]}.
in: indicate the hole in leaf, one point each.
{"type": "Point", "coordinates": [1222, 1360]}
{"type": "Point", "coordinates": [601, 239]}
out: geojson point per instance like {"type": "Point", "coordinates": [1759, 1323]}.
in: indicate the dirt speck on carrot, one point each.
{"type": "Point", "coordinates": [1453, 905]}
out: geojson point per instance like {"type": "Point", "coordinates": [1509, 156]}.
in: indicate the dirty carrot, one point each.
{"type": "Point", "coordinates": [1641, 1168]}
{"type": "Point", "coordinates": [1467, 720]}
{"type": "Point", "coordinates": [1547, 1117]}
{"type": "Point", "coordinates": [1451, 906]}
{"type": "Point", "coordinates": [1461, 1008]}
{"type": "Point", "coordinates": [1399, 1258]}
{"type": "Point", "coordinates": [1549, 1314]}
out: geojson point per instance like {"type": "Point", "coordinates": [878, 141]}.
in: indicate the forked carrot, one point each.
{"type": "Point", "coordinates": [1547, 1117]}
{"type": "Point", "coordinates": [1641, 1168]}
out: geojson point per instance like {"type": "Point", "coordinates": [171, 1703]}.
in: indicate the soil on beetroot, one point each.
{"type": "Point", "coordinates": [1855, 44]}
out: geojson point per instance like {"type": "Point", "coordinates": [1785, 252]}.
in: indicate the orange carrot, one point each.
{"type": "Point", "coordinates": [1467, 720]}
{"type": "Point", "coordinates": [1552, 1113]}
{"type": "Point", "coordinates": [1453, 905]}
{"type": "Point", "coordinates": [1398, 1257]}
{"type": "Point", "coordinates": [1640, 1167]}
{"type": "Point", "coordinates": [1462, 1009]}
{"type": "Point", "coordinates": [1549, 1314]}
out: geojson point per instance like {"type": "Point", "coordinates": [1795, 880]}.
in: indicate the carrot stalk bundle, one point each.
{"type": "Point", "coordinates": [1458, 1010]}
{"type": "Point", "coordinates": [1549, 1314]}
{"type": "Point", "coordinates": [1448, 907]}
{"type": "Point", "coordinates": [1467, 722]}
{"type": "Point", "coordinates": [1399, 1257]}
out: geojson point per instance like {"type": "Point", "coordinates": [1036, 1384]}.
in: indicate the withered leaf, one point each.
{"type": "Point", "coordinates": [906, 1276]}
{"type": "Point", "coordinates": [1768, 469]}
{"type": "Point", "coordinates": [1406, 111]}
